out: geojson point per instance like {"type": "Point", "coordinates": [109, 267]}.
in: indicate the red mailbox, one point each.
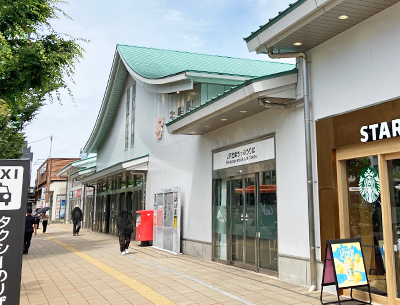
{"type": "Point", "coordinates": [144, 225]}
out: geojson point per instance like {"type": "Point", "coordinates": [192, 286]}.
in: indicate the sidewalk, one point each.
{"type": "Point", "coordinates": [89, 269]}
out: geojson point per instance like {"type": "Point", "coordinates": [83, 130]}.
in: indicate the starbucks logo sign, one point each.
{"type": "Point", "coordinates": [370, 186]}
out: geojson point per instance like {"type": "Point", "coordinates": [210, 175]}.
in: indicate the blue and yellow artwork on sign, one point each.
{"type": "Point", "coordinates": [349, 265]}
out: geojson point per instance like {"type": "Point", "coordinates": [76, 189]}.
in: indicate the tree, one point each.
{"type": "Point", "coordinates": [36, 62]}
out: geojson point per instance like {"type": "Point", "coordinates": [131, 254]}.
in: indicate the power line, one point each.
{"type": "Point", "coordinates": [66, 142]}
{"type": "Point", "coordinates": [39, 140]}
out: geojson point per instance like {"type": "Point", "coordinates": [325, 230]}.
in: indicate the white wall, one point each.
{"type": "Point", "coordinates": [358, 67]}
{"type": "Point", "coordinates": [288, 127]}
{"type": "Point", "coordinates": [186, 161]}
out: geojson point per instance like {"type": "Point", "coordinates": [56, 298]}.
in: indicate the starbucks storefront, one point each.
{"type": "Point", "coordinates": [245, 206]}
{"type": "Point", "coordinates": [359, 183]}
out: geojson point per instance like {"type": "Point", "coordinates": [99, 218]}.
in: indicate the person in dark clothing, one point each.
{"type": "Point", "coordinates": [125, 229]}
{"type": "Point", "coordinates": [30, 228]}
{"type": "Point", "coordinates": [76, 218]}
{"type": "Point", "coordinates": [37, 218]}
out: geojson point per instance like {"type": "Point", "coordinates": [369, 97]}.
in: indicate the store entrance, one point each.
{"type": "Point", "coordinates": [369, 209]}
{"type": "Point", "coordinates": [245, 221]}
{"type": "Point", "coordinates": [243, 216]}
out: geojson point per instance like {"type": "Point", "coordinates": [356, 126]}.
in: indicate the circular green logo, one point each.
{"type": "Point", "coordinates": [370, 186]}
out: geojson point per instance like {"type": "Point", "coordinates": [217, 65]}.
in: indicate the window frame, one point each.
{"type": "Point", "coordinates": [132, 117]}
{"type": "Point", "coordinates": [127, 115]}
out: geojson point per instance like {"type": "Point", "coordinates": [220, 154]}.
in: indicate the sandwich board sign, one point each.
{"type": "Point", "coordinates": [14, 176]}
{"type": "Point", "coordinates": [344, 267]}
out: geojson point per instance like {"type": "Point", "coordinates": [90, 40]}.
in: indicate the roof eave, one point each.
{"type": "Point", "coordinates": [229, 92]}
{"type": "Point", "coordinates": [300, 15]}
{"type": "Point", "coordinates": [93, 141]}
{"type": "Point", "coordinates": [121, 166]}
{"type": "Point", "coordinates": [75, 164]}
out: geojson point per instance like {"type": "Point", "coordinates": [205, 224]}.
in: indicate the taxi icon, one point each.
{"type": "Point", "coordinates": [5, 195]}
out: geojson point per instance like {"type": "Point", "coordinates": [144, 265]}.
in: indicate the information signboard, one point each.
{"type": "Point", "coordinates": [166, 231]}
{"type": "Point", "coordinates": [344, 266]}
{"type": "Point", "coordinates": [62, 209]}
{"type": "Point", "coordinates": [58, 206]}
{"type": "Point", "coordinates": [14, 176]}
{"type": "Point", "coordinates": [245, 154]}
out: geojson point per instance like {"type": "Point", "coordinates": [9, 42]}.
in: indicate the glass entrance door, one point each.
{"type": "Point", "coordinates": [365, 217]}
{"type": "Point", "coordinates": [237, 219]}
{"type": "Point", "coordinates": [250, 221]}
{"type": "Point", "coordinates": [267, 222]}
{"type": "Point", "coordinates": [245, 221]}
{"type": "Point", "coordinates": [369, 209]}
{"type": "Point", "coordinates": [254, 222]}
{"type": "Point", "coordinates": [393, 170]}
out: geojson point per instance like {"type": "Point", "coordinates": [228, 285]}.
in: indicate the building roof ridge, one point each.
{"type": "Point", "coordinates": [204, 54]}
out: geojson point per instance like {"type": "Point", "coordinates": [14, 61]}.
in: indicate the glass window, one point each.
{"type": "Point", "coordinates": [131, 180]}
{"type": "Point", "coordinates": [99, 187]}
{"type": "Point", "coordinates": [365, 217]}
{"type": "Point", "coordinates": [267, 221]}
{"type": "Point", "coordinates": [109, 184]}
{"type": "Point", "coordinates": [250, 220]}
{"type": "Point", "coordinates": [119, 182]}
{"type": "Point", "coordinates": [128, 97]}
{"type": "Point", "coordinates": [394, 192]}
{"type": "Point", "coordinates": [220, 218]}
{"type": "Point", "coordinates": [138, 180]}
{"type": "Point", "coordinates": [133, 115]}
{"type": "Point", "coordinates": [237, 219]}
{"type": "Point", "coordinates": [123, 182]}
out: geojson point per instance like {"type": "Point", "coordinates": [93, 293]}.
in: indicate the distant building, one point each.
{"type": "Point", "coordinates": [31, 197]}
{"type": "Point", "coordinates": [51, 189]}
{"type": "Point", "coordinates": [27, 154]}
{"type": "Point", "coordinates": [79, 194]}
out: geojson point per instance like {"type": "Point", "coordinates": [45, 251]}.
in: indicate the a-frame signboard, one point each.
{"type": "Point", "coordinates": [344, 267]}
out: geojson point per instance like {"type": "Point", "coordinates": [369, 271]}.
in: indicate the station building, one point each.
{"type": "Point", "coordinates": [144, 143]}
{"type": "Point", "coordinates": [268, 156]}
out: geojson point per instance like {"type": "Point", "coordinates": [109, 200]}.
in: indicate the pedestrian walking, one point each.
{"type": "Point", "coordinates": [125, 229]}
{"type": "Point", "coordinates": [37, 218]}
{"type": "Point", "coordinates": [76, 218]}
{"type": "Point", "coordinates": [44, 218]}
{"type": "Point", "coordinates": [30, 228]}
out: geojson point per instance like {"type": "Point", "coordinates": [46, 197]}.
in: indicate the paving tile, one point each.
{"type": "Point", "coordinates": [69, 279]}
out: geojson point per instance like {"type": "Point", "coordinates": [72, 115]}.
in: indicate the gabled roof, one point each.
{"type": "Point", "coordinates": [160, 68]}
{"type": "Point", "coordinates": [159, 63]}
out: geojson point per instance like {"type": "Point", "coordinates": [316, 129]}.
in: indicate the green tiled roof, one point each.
{"type": "Point", "coordinates": [159, 63]}
{"type": "Point", "coordinates": [271, 21]}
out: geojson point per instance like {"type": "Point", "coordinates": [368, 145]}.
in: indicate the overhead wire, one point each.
{"type": "Point", "coordinates": [39, 140]}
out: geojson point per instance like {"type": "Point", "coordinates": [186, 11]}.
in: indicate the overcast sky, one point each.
{"type": "Point", "coordinates": [203, 26]}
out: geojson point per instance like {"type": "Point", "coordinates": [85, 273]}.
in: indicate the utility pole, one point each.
{"type": "Point", "coordinates": [51, 143]}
